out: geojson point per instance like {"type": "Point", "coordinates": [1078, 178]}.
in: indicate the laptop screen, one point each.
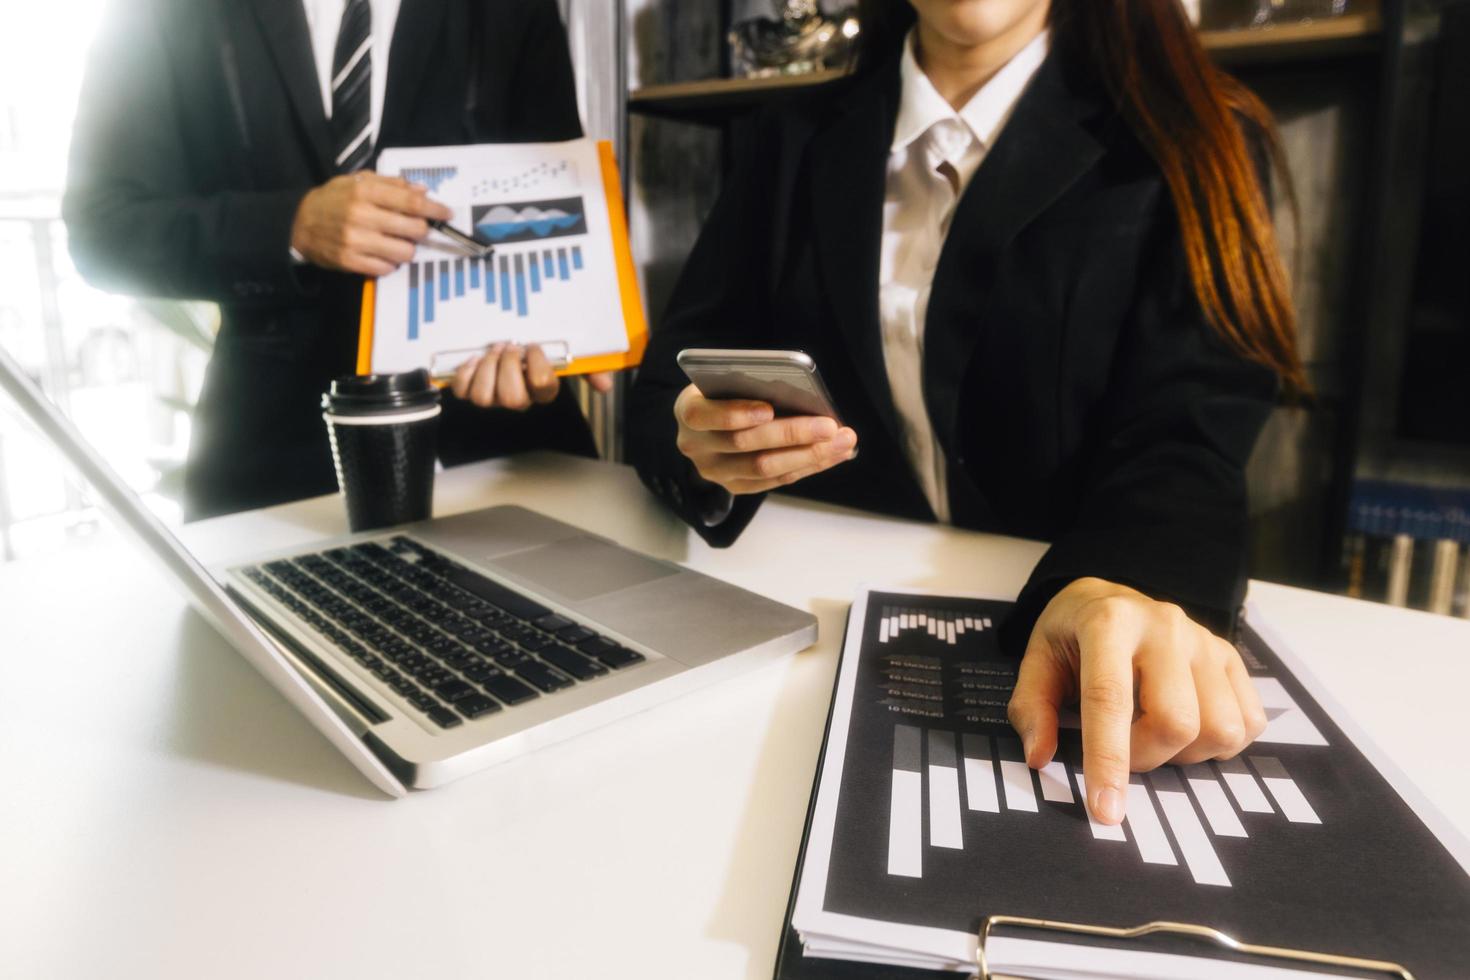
{"type": "Point", "coordinates": [152, 532]}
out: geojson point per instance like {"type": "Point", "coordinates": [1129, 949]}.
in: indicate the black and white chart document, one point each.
{"type": "Point", "coordinates": [926, 819]}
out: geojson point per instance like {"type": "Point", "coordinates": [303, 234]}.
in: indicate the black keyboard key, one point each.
{"type": "Point", "coordinates": [511, 659]}
{"type": "Point", "coordinates": [574, 634]}
{"type": "Point", "coordinates": [488, 615]}
{"type": "Point", "coordinates": [553, 623]}
{"type": "Point", "coordinates": [443, 717]}
{"type": "Point", "coordinates": [573, 663]}
{"type": "Point", "coordinates": [618, 657]}
{"type": "Point", "coordinates": [495, 593]}
{"type": "Point", "coordinates": [480, 672]}
{"type": "Point", "coordinates": [462, 660]}
{"type": "Point", "coordinates": [453, 689]}
{"type": "Point", "coordinates": [541, 677]}
{"type": "Point", "coordinates": [596, 646]}
{"type": "Point", "coordinates": [460, 627]}
{"type": "Point", "coordinates": [423, 700]}
{"type": "Point", "coordinates": [475, 706]}
{"type": "Point", "coordinates": [493, 647]}
{"type": "Point", "coordinates": [509, 690]}
{"type": "Point", "coordinates": [406, 545]}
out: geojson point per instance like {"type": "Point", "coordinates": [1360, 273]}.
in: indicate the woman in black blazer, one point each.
{"type": "Point", "coordinates": [1105, 331]}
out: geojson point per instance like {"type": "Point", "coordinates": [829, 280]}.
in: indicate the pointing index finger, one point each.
{"type": "Point", "coordinates": [1106, 696]}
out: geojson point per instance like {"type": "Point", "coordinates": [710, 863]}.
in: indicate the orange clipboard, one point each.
{"type": "Point", "coordinates": [634, 320]}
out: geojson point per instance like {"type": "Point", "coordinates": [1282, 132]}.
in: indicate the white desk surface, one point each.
{"type": "Point", "coordinates": [166, 814]}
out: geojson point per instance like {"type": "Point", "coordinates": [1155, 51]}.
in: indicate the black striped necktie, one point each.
{"type": "Point", "coordinates": [352, 72]}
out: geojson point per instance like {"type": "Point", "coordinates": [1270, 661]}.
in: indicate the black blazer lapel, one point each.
{"type": "Point", "coordinates": [1042, 151]}
{"type": "Point", "coordinates": [283, 25]}
{"type": "Point", "coordinates": [415, 47]}
{"type": "Point", "coordinates": [849, 173]}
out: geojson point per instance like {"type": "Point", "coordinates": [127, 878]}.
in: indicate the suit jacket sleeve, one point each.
{"type": "Point", "coordinates": [1163, 509]}
{"type": "Point", "coordinates": [136, 219]}
{"type": "Point", "coordinates": [720, 300]}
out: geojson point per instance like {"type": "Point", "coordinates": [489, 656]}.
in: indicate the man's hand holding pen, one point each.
{"type": "Point", "coordinates": [364, 223]}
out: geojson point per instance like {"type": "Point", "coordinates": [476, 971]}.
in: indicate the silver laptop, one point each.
{"type": "Point", "coordinates": [435, 649]}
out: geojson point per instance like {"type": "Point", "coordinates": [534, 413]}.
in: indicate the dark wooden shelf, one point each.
{"type": "Point", "coordinates": [713, 101]}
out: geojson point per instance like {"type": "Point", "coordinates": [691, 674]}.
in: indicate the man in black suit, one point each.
{"type": "Point", "coordinates": [221, 152]}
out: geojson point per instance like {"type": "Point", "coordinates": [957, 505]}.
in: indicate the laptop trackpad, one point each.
{"type": "Point", "coordinates": [581, 568]}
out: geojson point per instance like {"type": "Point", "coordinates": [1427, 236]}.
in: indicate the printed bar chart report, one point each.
{"type": "Point", "coordinates": [926, 819]}
{"type": "Point", "coordinates": [560, 270]}
{"type": "Point", "coordinates": [966, 780]}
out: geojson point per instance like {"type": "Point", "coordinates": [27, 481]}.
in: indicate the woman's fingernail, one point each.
{"type": "Point", "coordinates": [1108, 805]}
{"type": "Point", "coordinates": [1027, 739]}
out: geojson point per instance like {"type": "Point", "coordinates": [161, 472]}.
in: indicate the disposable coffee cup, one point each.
{"type": "Point", "coordinates": [384, 431]}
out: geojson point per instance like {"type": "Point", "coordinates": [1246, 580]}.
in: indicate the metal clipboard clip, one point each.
{"type": "Point", "coordinates": [1172, 928]}
{"type": "Point", "coordinates": [443, 363]}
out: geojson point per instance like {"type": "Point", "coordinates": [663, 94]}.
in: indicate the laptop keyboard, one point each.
{"type": "Point", "coordinates": [453, 643]}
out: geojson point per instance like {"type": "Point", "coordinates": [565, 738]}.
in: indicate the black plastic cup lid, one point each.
{"type": "Point", "coordinates": [379, 394]}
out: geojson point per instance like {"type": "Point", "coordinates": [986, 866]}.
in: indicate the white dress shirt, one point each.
{"type": "Point", "coordinates": [324, 21]}
{"type": "Point", "coordinates": [935, 152]}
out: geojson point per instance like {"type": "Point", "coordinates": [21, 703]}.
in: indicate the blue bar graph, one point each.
{"type": "Point", "coordinates": [521, 275]}
{"type": "Point", "coordinates": [520, 285]}
{"type": "Point", "coordinates": [430, 177]}
{"type": "Point", "coordinates": [413, 301]}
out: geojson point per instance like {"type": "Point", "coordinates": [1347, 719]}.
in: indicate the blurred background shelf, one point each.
{"type": "Point", "coordinates": [713, 101]}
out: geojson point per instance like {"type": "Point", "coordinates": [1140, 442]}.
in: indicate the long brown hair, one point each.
{"type": "Point", "coordinates": [1191, 117]}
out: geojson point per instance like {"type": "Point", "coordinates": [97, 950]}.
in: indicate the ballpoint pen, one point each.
{"type": "Point", "coordinates": [469, 243]}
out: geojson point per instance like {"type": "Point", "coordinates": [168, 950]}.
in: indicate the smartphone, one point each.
{"type": "Point", "coordinates": [788, 380]}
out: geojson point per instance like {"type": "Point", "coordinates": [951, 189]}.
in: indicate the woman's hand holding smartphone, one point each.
{"type": "Point", "coordinates": [740, 443]}
{"type": "Point", "coordinates": [743, 447]}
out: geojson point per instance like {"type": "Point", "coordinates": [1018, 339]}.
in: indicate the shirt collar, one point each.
{"type": "Point", "coordinates": [921, 105]}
